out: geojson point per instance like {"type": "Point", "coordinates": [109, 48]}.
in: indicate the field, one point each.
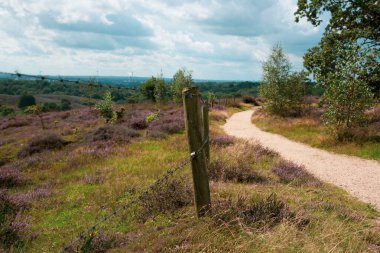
{"type": "Point", "coordinates": [59, 181]}
{"type": "Point", "coordinates": [310, 130]}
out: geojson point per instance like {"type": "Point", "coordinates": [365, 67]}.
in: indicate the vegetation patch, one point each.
{"type": "Point", "coordinates": [41, 143]}
{"type": "Point", "coordinates": [99, 242]}
{"type": "Point", "coordinates": [10, 176]}
{"type": "Point", "coordinates": [289, 172]}
{"type": "Point", "coordinates": [116, 133]}
{"type": "Point", "coordinates": [222, 140]}
{"type": "Point", "coordinates": [167, 197]}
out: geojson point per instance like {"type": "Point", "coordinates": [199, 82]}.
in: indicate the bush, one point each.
{"type": "Point", "coordinates": [152, 117]}
{"type": "Point", "coordinates": [169, 122]}
{"type": "Point", "coordinates": [289, 172]}
{"type": "Point", "coordinates": [233, 170]}
{"type": "Point", "coordinates": [26, 100]}
{"type": "Point", "coordinates": [41, 143]}
{"type": "Point", "coordinates": [65, 104]}
{"type": "Point", "coordinates": [222, 140]}
{"type": "Point", "coordinates": [10, 176]}
{"type": "Point", "coordinates": [167, 197]}
{"type": "Point", "coordinates": [116, 133]}
{"type": "Point", "coordinates": [105, 107]}
{"type": "Point", "coordinates": [5, 110]}
{"type": "Point", "coordinates": [260, 215]}
{"type": "Point", "coordinates": [250, 100]}
{"type": "Point", "coordinates": [138, 122]}
{"type": "Point", "coordinates": [50, 107]}
{"type": "Point", "coordinates": [101, 242]}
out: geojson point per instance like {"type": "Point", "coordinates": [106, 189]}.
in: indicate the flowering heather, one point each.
{"type": "Point", "coordinates": [14, 232]}
{"type": "Point", "coordinates": [169, 122]}
{"type": "Point", "coordinates": [290, 172]}
{"type": "Point", "coordinates": [10, 176]}
{"type": "Point", "coordinates": [21, 200]}
{"type": "Point", "coordinates": [233, 170]}
{"type": "Point", "coordinates": [101, 242]}
{"type": "Point", "coordinates": [41, 143]}
{"type": "Point", "coordinates": [167, 197]}
{"type": "Point", "coordinates": [222, 140]}
{"type": "Point", "coordinates": [116, 133]}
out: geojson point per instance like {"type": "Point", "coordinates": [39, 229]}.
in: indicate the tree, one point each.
{"type": "Point", "coordinates": [351, 21]}
{"type": "Point", "coordinates": [147, 88]}
{"type": "Point", "coordinates": [347, 96]}
{"type": "Point", "coordinates": [283, 90]}
{"type": "Point", "coordinates": [160, 89]}
{"type": "Point", "coordinates": [181, 79]}
{"type": "Point", "coordinates": [36, 110]}
{"type": "Point", "coordinates": [105, 107]}
{"type": "Point", "coordinates": [26, 100]}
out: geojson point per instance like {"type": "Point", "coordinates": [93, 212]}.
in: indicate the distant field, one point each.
{"type": "Point", "coordinates": [12, 100]}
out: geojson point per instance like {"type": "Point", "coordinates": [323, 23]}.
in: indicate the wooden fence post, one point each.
{"type": "Point", "coordinates": [206, 130]}
{"type": "Point", "coordinates": [194, 128]}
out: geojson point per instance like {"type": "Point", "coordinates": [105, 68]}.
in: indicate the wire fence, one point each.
{"type": "Point", "coordinates": [152, 187]}
{"type": "Point", "coordinates": [66, 80]}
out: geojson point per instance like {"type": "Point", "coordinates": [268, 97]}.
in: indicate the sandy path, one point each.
{"type": "Point", "coordinates": [360, 177]}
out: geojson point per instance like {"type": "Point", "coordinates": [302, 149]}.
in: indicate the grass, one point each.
{"type": "Point", "coordinates": [310, 130]}
{"type": "Point", "coordinates": [335, 221]}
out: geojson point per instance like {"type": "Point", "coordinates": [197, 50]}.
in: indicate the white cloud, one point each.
{"type": "Point", "coordinates": [217, 39]}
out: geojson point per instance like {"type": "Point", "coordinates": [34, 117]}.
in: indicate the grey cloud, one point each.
{"type": "Point", "coordinates": [122, 25]}
{"type": "Point", "coordinates": [85, 40]}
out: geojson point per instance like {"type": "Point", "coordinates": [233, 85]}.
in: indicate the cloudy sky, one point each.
{"type": "Point", "coordinates": [216, 39]}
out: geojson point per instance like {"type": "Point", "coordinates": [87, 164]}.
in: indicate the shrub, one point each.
{"type": "Point", "coordinates": [181, 79]}
{"type": "Point", "coordinates": [116, 133]}
{"type": "Point", "coordinates": [138, 122]}
{"type": "Point", "coordinates": [41, 143]}
{"type": "Point", "coordinates": [50, 107]}
{"type": "Point", "coordinates": [15, 123]}
{"type": "Point", "coordinates": [65, 104]}
{"type": "Point", "coordinates": [26, 100]}
{"type": "Point", "coordinates": [169, 122]}
{"type": "Point", "coordinates": [10, 176]}
{"type": "Point", "coordinates": [250, 100]}
{"type": "Point", "coordinates": [289, 172]}
{"type": "Point", "coordinates": [262, 214]}
{"type": "Point", "coordinates": [156, 134]}
{"type": "Point", "coordinates": [15, 232]}
{"type": "Point", "coordinates": [167, 197]}
{"type": "Point", "coordinates": [101, 242]}
{"type": "Point", "coordinates": [218, 115]}
{"type": "Point", "coordinates": [5, 110]}
{"type": "Point", "coordinates": [233, 170]}
{"type": "Point", "coordinates": [105, 107]}
{"type": "Point", "coordinates": [152, 117]}
{"type": "Point", "coordinates": [222, 140]}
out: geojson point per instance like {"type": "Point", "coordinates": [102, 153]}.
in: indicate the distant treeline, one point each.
{"type": "Point", "coordinates": [220, 89]}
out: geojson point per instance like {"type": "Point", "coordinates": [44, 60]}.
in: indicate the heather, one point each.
{"type": "Point", "coordinates": [51, 195]}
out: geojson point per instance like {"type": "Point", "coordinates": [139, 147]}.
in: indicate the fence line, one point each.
{"type": "Point", "coordinates": [63, 80]}
{"type": "Point", "coordinates": [152, 187]}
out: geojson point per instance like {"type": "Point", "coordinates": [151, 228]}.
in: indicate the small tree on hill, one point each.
{"type": "Point", "coordinates": [181, 79]}
{"type": "Point", "coordinates": [160, 89]}
{"type": "Point", "coordinates": [36, 110]}
{"type": "Point", "coordinates": [105, 107]}
{"type": "Point", "coordinates": [282, 89]}
{"type": "Point", "coordinates": [26, 100]}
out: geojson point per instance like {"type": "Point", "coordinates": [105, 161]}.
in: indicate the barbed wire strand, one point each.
{"type": "Point", "coordinates": [63, 80]}
{"type": "Point", "coordinates": [168, 173]}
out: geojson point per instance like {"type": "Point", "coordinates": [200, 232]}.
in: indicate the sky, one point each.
{"type": "Point", "coordinates": [216, 39]}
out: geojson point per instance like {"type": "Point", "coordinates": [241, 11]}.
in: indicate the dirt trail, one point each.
{"type": "Point", "coordinates": [360, 177]}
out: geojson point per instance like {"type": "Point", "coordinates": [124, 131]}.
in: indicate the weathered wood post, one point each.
{"type": "Point", "coordinates": [206, 130]}
{"type": "Point", "coordinates": [194, 128]}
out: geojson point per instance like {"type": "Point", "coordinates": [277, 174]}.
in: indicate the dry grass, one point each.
{"type": "Point", "coordinates": [69, 189]}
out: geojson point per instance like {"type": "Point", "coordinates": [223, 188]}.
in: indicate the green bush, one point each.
{"type": "Point", "coordinates": [26, 100]}
{"type": "Point", "coordinates": [50, 107]}
{"type": "Point", "coordinates": [105, 107]}
{"type": "Point", "coordinates": [5, 110]}
{"type": "Point", "coordinates": [65, 104]}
